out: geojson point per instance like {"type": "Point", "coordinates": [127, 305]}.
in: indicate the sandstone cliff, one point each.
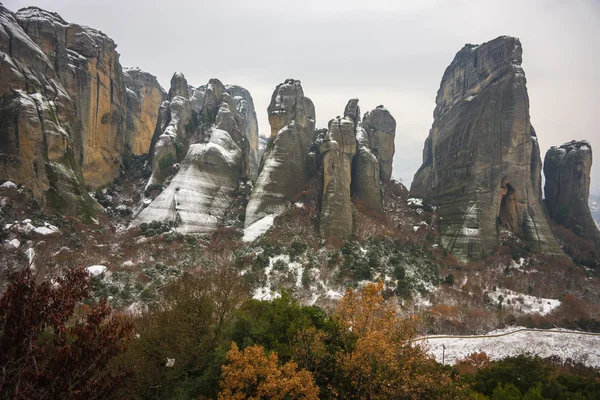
{"type": "Point", "coordinates": [37, 123]}
{"type": "Point", "coordinates": [87, 65]}
{"type": "Point", "coordinates": [567, 189]}
{"type": "Point", "coordinates": [144, 98]}
{"type": "Point", "coordinates": [204, 145]}
{"type": "Point", "coordinates": [337, 150]}
{"type": "Point", "coordinates": [351, 167]}
{"type": "Point", "coordinates": [380, 127]}
{"type": "Point", "coordinates": [481, 162]}
{"type": "Point", "coordinates": [284, 166]}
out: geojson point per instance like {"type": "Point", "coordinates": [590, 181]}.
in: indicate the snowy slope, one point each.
{"type": "Point", "coordinates": [578, 346]}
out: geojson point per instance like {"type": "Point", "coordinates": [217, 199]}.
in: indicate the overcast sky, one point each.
{"type": "Point", "coordinates": [390, 52]}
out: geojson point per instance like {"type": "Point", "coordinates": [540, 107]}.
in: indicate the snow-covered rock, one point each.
{"type": "Point", "coordinates": [8, 185]}
{"type": "Point", "coordinates": [24, 227]}
{"type": "Point", "coordinates": [47, 230]}
{"type": "Point", "coordinates": [96, 270]}
{"type": "Point", "coordinates": [30, 254]}
{"type": "Point", "coordinates": [13, 244]}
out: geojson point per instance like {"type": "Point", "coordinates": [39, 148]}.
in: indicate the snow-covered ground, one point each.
{"type": "Point", "coordinates": [578, 346]}
{"type": "Point", "coordinates": [524, 302]}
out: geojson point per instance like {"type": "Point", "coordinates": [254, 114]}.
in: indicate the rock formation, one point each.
{"type": "Point", "coordinates": [366, 168]}
{"type": "Point", "coordinates": [37, 123]}
{"type": "Point", "coordinates": [481, 162]}
{"type": "Point", "coordinates": [87, 65]}
{"type": "Point", "coordinates": [144, 98]}
{"type": "Point", "coordinates": [380, 127]}
{"type": "Point", "coordinates": [207, 126]}
{"type": "Point", "coordinates": [283, 171]}
{"type": "Point", "coordinates": [567, 189]}
{"type": "Point", "coordinates": [338, 149]}
{"type": "Point", "coordinates": [245, 106]}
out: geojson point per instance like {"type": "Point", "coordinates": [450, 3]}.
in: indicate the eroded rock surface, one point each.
{"type": "Point", "coordinates": [204, 145]}
{"type": "Point", "coordinates": [144, 98]}
{"type": "Point", "coordinates": [284, 166]}
{"type": "Point", "coordinates": [481, 162]}
{"type": "Point", "coordinates": [37, 123]}
{"type": "Point", "coordinates": [380, 127]}
{"type": "Point", "coordinates": [87, 65]}
{"type": "Point", "coordinates": [338, 149]}
{"type": "Point", "coordinates": [567, 170]}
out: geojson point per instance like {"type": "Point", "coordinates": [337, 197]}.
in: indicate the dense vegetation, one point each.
{"type": "Point", "coordinates": [208, 339]}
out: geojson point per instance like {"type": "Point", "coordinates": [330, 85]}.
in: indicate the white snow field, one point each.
{"type": "Point", "coordinates": [581, 347]}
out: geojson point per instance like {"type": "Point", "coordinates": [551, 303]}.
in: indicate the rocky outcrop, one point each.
{"type": "Point", "coordinates": [144, 98]}
{"type": "Point", "coordinates": [567, 170]}
{"type": "Point", "coordinates": [380, 127]}
{"type": "Point", "coordinates": [206, 126]}
{"type": "Point", "coordinates": [37, 123]}
{"type": "Point", "coordinates": [481, 162]}
{"type": "Point", "coordinates": [175, 127]}
{"type": "Point", "coordinates": [351, 169]}
{"type": "Point", "coordinates": [245, 106]}
{"type": "Point", "coordinates": [87, 65]}
{"type": "Point", "coordinates": [338, 149]}
{"type": "Point", "coordinates": [284, 166]}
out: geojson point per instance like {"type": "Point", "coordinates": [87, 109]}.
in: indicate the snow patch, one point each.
{"type": "Point", "coordinates": [8, 185]}
{"type": "Point", "coordinates": [258, 228]}
{"type": "Point", "coordinates": [96, 270]}
{"type": "Point", "coordinates": [524, 302]}
{"type": "Point", "coordinates": [413, 201]}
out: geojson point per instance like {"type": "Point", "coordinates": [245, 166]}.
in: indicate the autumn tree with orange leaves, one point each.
{"type": "Point", "coordinates": [379, 360]}
{"type": "Point", "coordinates": [250, 374]}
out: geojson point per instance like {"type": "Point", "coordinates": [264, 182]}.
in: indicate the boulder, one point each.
{"type": "Point", "coordinates": [481, 162]}
{"type": "Point", "coordinates": [567, 170]}
{"type": "Point", "coordinates": [284, 168]}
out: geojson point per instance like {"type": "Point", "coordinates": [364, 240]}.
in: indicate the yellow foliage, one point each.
{"type": "Point", "coordinates": [251, 375]}
{"type": "Point", "coordinates": [383, 363]}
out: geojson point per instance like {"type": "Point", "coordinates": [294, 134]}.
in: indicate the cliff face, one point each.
{"type": "Point", "coordinates": [200, 159]}
{"type": "Point", "coordinates": [245, 106]}
{"type": "Point", "coordinates": [567, 189]}
{"type": "Point", "coordinates": [144, 98]}
{"type": "Point", "coordinates": [37, 123]}
{"type": "Point", "coordinates": [351, 167]}
{"type": "Point", "coordinates": [283, 171]}
{"type": "Point", "coordinates": [337, 150]}
{"type": "Point", "coordinates": [87, 65]}
{"type": "Point", "coordinates": [481, 161]}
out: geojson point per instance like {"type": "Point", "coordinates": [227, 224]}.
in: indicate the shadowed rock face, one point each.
{"type": "Point", "coordinates": [567, 189]}
{"type": "Point", "coordinates": [37, 123]}
{"type": "Point", "coordinates": [87, 65]}
{"type": "Point", "coordinates": [144, 98]}
{"type": "Point", "coordinates": [380, 127]}
{"type": "Point", "coordinates": [351, 171]}
{"type": "Point", "coordinates": [481, 161]}
{"type": "Point", "coordinates": [338, 149]}
{"type": "Point", "coordinates": [204, 144]}
{"type": "Point", "coordinates": [245, 106]}
{"type": "Point", "coordinates": [284, 166]}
